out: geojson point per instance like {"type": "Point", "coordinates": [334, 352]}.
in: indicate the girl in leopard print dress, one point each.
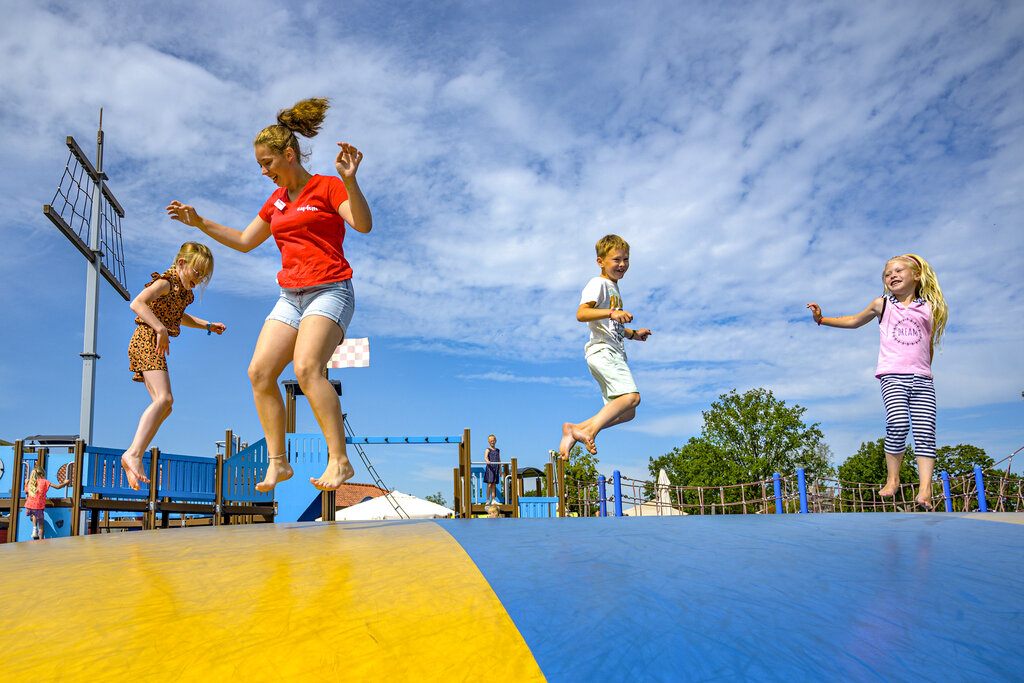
{"type": "Point", "coordinates": [160, 310]}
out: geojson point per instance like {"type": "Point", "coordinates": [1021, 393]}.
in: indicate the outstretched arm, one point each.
{"type": "Point", "coordinates": [200, 324]}
{"type": "Point", "coordinates": [246, 240]}
{"type": "Point", "coordinates": [873, 311]}
{"type": "Point", "coordinates": [354, 210]}
{"type": "Point", "coordinates": [638, 335]}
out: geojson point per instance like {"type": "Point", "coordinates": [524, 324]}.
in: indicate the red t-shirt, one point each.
{"type": "Point", "coordinates": [309, 233]}
{"type": "Point", "coordinates": [38, 501]}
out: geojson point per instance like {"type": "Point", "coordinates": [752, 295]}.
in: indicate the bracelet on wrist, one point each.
{"type": "Point", "coordinates": [208, 329]}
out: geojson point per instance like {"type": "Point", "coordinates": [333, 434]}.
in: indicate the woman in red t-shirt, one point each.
{"type": "Point", "coordinates": [306, 216]}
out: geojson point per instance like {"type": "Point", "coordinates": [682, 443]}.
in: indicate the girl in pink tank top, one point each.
{"type": "Point", "coordinates": [911, 315]}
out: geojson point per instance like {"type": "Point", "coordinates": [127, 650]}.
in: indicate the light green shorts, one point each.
{"type": "Point", "coordinates": [609, 368]}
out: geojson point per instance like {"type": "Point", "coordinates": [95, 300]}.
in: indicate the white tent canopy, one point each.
{"type": "Point", "coordinates": [380, 508]}
{"type": "Point", "coordinates": [660, 505]}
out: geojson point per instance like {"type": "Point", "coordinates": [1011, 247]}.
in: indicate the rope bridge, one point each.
{"type": "Point", "coordinates": [994, 489]}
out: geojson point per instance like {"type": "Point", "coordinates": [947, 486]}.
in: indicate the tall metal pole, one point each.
{"type": "Point", "coordinates": [92, 299]}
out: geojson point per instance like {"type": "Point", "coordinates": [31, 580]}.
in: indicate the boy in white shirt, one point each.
{"type": "Point", "coordinates": [601, 308]}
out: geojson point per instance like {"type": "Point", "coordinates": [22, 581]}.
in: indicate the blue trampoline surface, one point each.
{"type": "Point", "coordinates": [869, 596]}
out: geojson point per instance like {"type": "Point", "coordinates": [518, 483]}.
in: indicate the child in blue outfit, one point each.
{"type": "Point", "coordinates": [601, 308]}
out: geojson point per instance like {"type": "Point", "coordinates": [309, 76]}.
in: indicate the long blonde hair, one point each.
{"type": "Point", "coordinates": [33, 479]}
{"type": "Point", "coordinates": [927, 289]}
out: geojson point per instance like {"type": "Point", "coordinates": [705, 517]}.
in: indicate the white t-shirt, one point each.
{"type": "Point", "coordinates": [604, 332]}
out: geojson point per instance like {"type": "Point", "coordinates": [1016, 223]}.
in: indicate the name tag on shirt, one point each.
{"type": "Point", "coordinates": [279, 204]}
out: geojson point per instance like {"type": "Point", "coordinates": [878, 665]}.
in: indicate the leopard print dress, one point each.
{"type": "Point", "coordinates": [169, 309]}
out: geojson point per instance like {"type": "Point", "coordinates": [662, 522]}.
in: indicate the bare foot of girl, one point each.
{"type": "Point", "coordinates": [888, 491]}
{"type": "Point", "coordinates": [132, 465]}
{"type": "Point", "coordinates": [925, 502]}
{"type": "Point", "coordinates": [585, 439]}
{"type": "Point", "coordinates": [277, 471]}
{"type": "Point", "coordinates": [567, 441]}
{"type": "Point", "coordinates": [337, 473]}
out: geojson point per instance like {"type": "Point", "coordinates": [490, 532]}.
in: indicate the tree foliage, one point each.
{"type": "Point", "coordinates": [961, 459]}
{"type": "Point", "coordinates": [437, 498]}
{"type": "Point", "coordinates": [762, 435]}
{"type": "Point", "coordinates": [580, 470]}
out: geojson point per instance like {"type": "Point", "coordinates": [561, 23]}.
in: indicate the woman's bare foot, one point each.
{"type": "Point", "coordinates": [132, 466]}
{"type": "Point", "coordinates": [337, 473]}
{"type": "Point", "coordinates": [278, 470]}
{"type": "Point", "coordinates": [567, 441]}
{"type": "Point", "coordinates": [585, 439]}
{"type": "Point", "coordinates": [888, 491]}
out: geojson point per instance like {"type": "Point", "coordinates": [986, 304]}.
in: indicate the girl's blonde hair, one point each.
{"type": "Point", "coordinates": [199, 257]}
{"type": "Point", "coordinates": [33, 479]}
{"type": "Point", "coordinates": [927, 289]}
{"type": "Point", "coordinates": [304, 117]}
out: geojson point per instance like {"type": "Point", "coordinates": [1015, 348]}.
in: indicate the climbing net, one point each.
{"type": "Point", "coordinates": [71, 210]}
{"type": "Point", "coordinates": [1001, 490]}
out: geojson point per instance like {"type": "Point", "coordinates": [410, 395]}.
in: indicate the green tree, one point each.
{"type": "Point", "coordinates": [581, 480]}
{"type": "Point", "coordinates": [438, 498]}
{"type": "Point", "coordinates": [697, 463]}
{"type": "Point", "coordinates": [762, 435]}
{"type": "Point", "coordinates": [961, 459]}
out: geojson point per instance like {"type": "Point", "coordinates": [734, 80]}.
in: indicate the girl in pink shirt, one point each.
{"type": "Point", "coordinates": [35, 501]}
{"type": "Point", "coordinates": [911, 316]}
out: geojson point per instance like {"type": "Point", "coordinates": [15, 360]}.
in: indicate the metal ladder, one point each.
{"type": "Point", "coordinates": [373, 473]}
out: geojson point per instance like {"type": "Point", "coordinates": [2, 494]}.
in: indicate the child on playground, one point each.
{"type": "Point", "coordinates": [911, 316]}
{"type": "Point", "coordinates": [160, 310]}
{"type": "Point", "coordinates": [601, 308]}
{"type": "Point", "coordinates": [35, 502]}
{"type": "Point", "coordinates": [492, 470]}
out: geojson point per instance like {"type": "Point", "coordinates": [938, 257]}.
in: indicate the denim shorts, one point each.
{"type": "Point", "coordinates": [334, 300]}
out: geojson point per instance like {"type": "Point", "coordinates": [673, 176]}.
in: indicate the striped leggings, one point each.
{"type": "Point", "coordinates": [909, 399]}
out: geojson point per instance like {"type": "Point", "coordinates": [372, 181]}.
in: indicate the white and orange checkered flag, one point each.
{"type": "Point", "coordinates": [351, 353]}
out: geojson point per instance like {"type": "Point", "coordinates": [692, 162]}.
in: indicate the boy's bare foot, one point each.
{"type": "Point", "coordinates": [132, 466]}
{"type": "Point", "coordinates": [567, 441]}
{"type": "Point", "coordinates": [585, 439]}
{"type": "Point", "coordinates": [888, 491]}
{"type": "Point", "coordinates": [337, 473]}
{"type": "Point", "coordinates": [278, 470]}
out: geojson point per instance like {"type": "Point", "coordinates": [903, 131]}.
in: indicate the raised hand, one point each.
{"type": "Point", "coordinates": [347, 160]}
{"type": "Point", "coordinates": [815, 311]}
{"type": "Point", "coordinates": [184, 213]}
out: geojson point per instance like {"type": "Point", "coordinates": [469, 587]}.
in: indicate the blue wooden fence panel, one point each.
{"type": "Point", "coordinates": [538, 507]}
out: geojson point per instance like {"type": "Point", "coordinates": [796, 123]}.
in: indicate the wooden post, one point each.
{"type": "Point", "coordinates": [549, 480]}
{"type": "Point", "coordinates": [456, 497]}
{"type": "Point", "coordinates": [149, 517]}
{"type": "Point", "coordinates": [289, 410]}
{"type": "Point", "coordinates": [561, 488]}
{"type": "Point", "coordinates": [17, 485]}
{"type": "Point", "coordinates": [467, 477]}
{"type": "Point", "coordinates": [218, 484]}
{"type": "Point", "coordinates": [76, 488]}
{"type": "Point", "coordinates": [516, 486]}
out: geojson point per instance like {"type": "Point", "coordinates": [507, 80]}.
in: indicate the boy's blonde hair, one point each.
{"type": "Point", "coordinates": [199, 257]}
{"type": "Point", "coordinates": [927, 289]}
{"type": "Point", "coordinates": [609, 242]}
{"type": "Point", "coordinates": [304, 118]}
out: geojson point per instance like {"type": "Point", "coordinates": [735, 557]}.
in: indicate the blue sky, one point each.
{"type": "Point", "coordinates": [756, 157]}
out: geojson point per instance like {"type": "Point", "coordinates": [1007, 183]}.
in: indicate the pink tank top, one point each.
{"type": "Point", "coordinates": [905, 334]}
